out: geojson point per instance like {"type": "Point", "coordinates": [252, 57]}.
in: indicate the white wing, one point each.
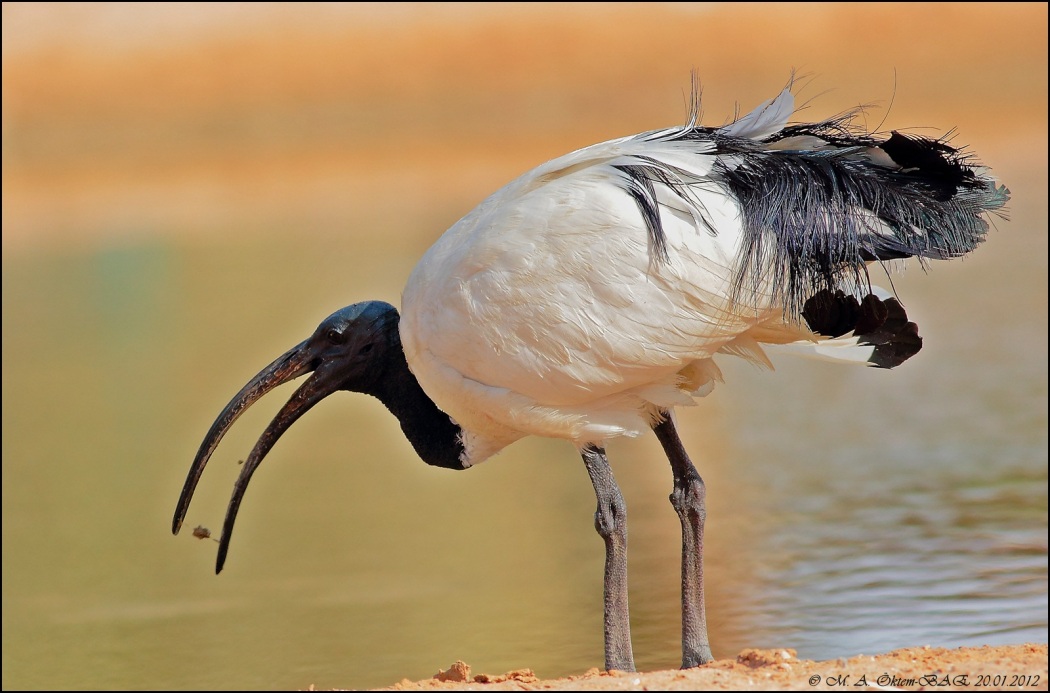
{"type": "Point", "coordinates": [543, 311]}
{"type": "Point", "coordinates": [592, 292]}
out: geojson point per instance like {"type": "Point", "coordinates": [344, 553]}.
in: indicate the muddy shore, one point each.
{"type": "Point", "coordinates": [1015, 667]}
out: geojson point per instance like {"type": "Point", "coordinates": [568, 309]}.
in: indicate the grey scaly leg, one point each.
{"type": "Point", "coordinates": [688, 499]}
{"type": "Point", "coordinates": [610, 519]}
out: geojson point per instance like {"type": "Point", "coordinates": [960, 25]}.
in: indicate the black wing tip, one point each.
{"type": "Point", "coordinates": [639, 185]}
{"type": "Point", "coordinates": [881, 323]}
{"type": "Point", "coordinates": [937, 165]}
{"type": "Point", "coordinates": [894, 337]}
{"type": "Point", "coordinates": [901, 346]}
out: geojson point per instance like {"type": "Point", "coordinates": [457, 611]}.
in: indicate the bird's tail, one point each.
{"type": "Point", "coordinates": [816, 204]}
{"type": "Point", "coordinates": [817, 201]}
{"type": "Point", "coordinates": [821, 201]}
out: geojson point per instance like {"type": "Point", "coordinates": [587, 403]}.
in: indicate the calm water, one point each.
{"type": "Point", "coordinates": [851, 511]}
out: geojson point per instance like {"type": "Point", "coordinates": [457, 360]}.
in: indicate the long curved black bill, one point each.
{"type": "Point", "coordinates": [336, 354]}
{"type": "Point", "coordinates": [288, 366]}
{"type": "Point", "coordinates": [316, 388]}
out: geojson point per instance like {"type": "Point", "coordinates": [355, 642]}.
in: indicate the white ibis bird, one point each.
{"type": "Point", "coordinates": [589, 297]}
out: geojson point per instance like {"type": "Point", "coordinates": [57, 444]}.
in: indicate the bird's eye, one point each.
{"type": "Point", "coordinates": [334, 336]}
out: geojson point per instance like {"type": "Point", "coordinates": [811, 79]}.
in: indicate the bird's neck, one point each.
{"type": "Point", "coordinates": [436, 438]}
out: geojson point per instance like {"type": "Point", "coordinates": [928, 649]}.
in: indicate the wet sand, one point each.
{"type": "Point", "coordinates": [1020, 667]}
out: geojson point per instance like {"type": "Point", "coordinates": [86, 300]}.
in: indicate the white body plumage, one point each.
{"type": "Point", "coordinates": [542, 311]}
{"type": "Point", "coordinates": [548, 311]}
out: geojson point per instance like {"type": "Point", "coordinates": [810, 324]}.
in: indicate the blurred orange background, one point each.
{"type": "Point", "coordinates": [183, 119]}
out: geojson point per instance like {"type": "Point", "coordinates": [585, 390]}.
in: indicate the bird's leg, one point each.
{"type": "Point", "coordinates": [688, 499]}
{"type": "Point", "coordinates": [610, 519]}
